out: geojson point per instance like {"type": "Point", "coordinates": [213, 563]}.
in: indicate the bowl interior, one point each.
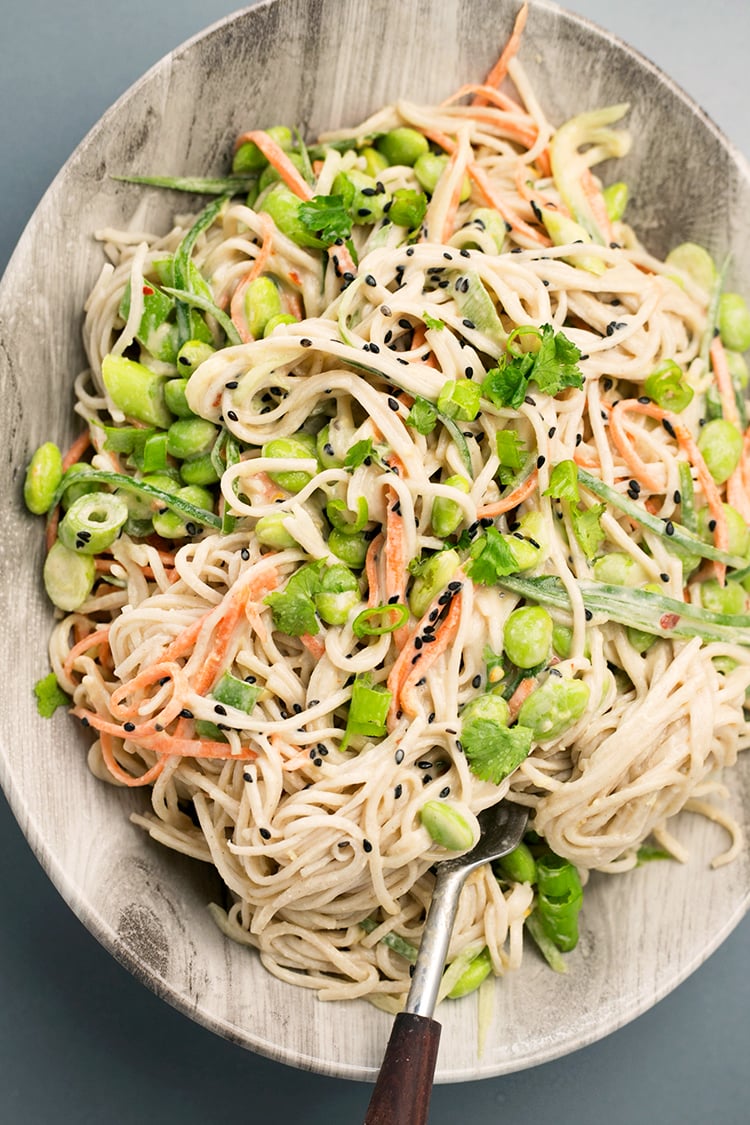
{"type": "Point", "coordinates": [321, 63]}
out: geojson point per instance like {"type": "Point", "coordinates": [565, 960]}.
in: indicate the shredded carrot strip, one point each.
{"type": "Point", "coordinates": [500, 69]}
{"type": "Point", "coordinates": [522, 692]}
{"type": "Point", "coordinates": [371, 571]}
{"type": "Point", "coordinates": [237, 305]}
{"type": "Point", "coordinates": [164, 670]}
{"type": "Point", "coordinates": [50, 534]}
{"type": "Point", "coordinates": [77, 450]}
{"type": "Point", "coordinates": [314, 645]}
{"type": "Point", "coordinates": [455, 199]}
{"type": "Point", "coordinates": [404, 663]}
{"type": "Point", "coordinates": [492, 96]}
{"type": "Point", "coordinates": [480, 178]}
{"type": "Point", "coordinates": [119, 774]}
{"type": "Point", "coordinates": [512, 500]}
{"type": "Point", "coordinates": [596, 203]}
{"type": "Point", "coordinates": [279, 160]}
{"type": "Point", "coordinates": [168, 744]}
{"type": "Point", "coordinates": [99, 637]}
{"type": "Point", "coordinates": [685, 441]}
{"type": "Point", "coordinates": [444, 634]}
{"type": "Point", "coordinates": [395, 559]}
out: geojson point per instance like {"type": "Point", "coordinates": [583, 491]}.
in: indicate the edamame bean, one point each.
{"type": "Point", "coordinates": [738, 533]}
{"type": "Point", "coordinates": [447, 826]}
{"type": "Point", "coordinates": [189, 437]}
{"type": "Point", "coordinates": [559, 900]}
{"type": "Point", "coordinates": [640, 640]}
{"type": "Point", "coordinates": [192, 354]}
{"type": "Point", "coordinates": [619, 569]}
{"type": "Point", "coordinates": [270, 531]}
{"type": "Point", "coordinates": [338, 595]}
{"type": "Point", "coordinates": [199, 470]}
{"type": "Point", "coordinates": [262, 303]}
{"type": "Point", "coordinates": [375, 162]}
{"type": "Point", "coordinates": [733, 321]}
{"type": "Point", "coordinates": [170, 524]}
{"type": "Point", "coordinates": [301, 446]}
{"type": "Point", "coordinates": [351, 549]}
{"type": "Point", "coordinates": [365, 200]}
{"type": "Point", "coordinates": [730, 598]}
{"type": "Point", "coordinates": [696, 262]}
{"type": "Point", "coordinates": [68, 577]}
{"type": "Point", "coordinates": [737, 368]}
{"type": "Point", "coordinates": [136, 390]}
{"type": "Point", "coordinates": [527, 636]}
{"type": "Point", "coordinates": [528, 543]}
{"type": "Point", "coordinates": [275, 321]}
{"type": "Point", "coordinates": [429, 168]}
{"type": "Point", "coordinates": [519, 866]}
{"type": "Point", "coordinates": [283, 207]}
{"type": "Point", "coordinates": [473, 975]}
{"type": "Point", "coordinates": [92, 523]}
{"type": "Point", "coordinates": [562, 640]}
{"type": "Point", "coordinates": [490, 707]}
{"type": "Point", "coordinates": [447, 514]}
{"type": "Point", "coordinates": [434, 576]}
{"type": "Point", "coordinates": [174, 396]}
{"type": "Point", "coordinates": [407, 208]}
{"type": "Point", "coordinates": [554, 707]}
{"type": "Point", "coordinates": [402, 145]}
{"type": "Point", "coordinates": [325, 451]}
{"type": "Point", "coordinates": [42, 478]}
{"type": "Point", "coordinates": [249, 158]}
{"type": "Point", "coordinates": [721, 446]}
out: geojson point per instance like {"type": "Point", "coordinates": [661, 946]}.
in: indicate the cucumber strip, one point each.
{"type": "Point", "coordinates": [198, 185]}
{"type": "Point", "coordinates": [196, 301]}
{"type": "Point", "coordinates": [177, 504]}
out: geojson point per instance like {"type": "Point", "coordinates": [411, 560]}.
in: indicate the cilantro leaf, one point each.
{"type": "Point", "coordinates": [491, 558]}
{"type": "Point", "coordinates": [587, 527]}
{"type": "Point", "coordinates": [432, 321]}
{"type": "Point", "coordinates": [492, 750]}
{"type": "Point", "coordinates": [647, 853]}
{"type": "Point", "coordinates": [358, 454]}
{"type": "Point", "coordinates": [326, 217]}
{"type": "Point", "coordinates": [563, 482]}
{"type": "Point", "coordinates": [506, 385]}
{"type": "Point", "coordinates": [293, 609]}
{"type": "Point", "coordinates": [49, 696]}
{"type": "Point", "coordinates": [555, 364]}
{"type": "Point", "coordinates": [422, 416]}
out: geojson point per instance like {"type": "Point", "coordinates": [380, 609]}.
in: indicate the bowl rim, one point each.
{"type": "Point", "coordinates": [61, 879]}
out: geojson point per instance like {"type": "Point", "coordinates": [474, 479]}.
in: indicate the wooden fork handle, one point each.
{"type": "Point", "coordinates": [404, 1086]}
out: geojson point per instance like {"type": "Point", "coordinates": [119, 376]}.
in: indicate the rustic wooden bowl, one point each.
{"type": "Point", "coordinates": [320, 64]}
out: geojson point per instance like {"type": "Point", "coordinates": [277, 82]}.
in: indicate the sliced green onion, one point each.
{"type": "Point", "coordinates": [362, 622]}
{"type": "Point", "coordinates": [182, 287]}
{"type": "Point", "coordinates": [459, 398]}
{"type": "Point", "coordinates": [344, 519]}
{"type": "Point", "coordinates": [666, 386]}
{"type": "Point", "coordinates": [236, 693]}
{"type": "Point", "coordinates": [368, 709]}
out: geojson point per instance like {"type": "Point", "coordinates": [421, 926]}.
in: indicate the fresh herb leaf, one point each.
{"type": "Point", "coordinates": [49, 696]}
{"type": "Point", "coordinates": [563, 482]}
{"type": "Point", "coordinates": [555, 364]}
{"type": "Point", "coordinates": [491, 558]}
{"type": "Point", "coordinates": [492, 750]}
{"type": "Point", "coordinates": [432, 321]}
{"type": "Point", "coordinates": [326, 217]}
{"type": "Point", "coordinates": [587, 527]}
{"type": "Point", "coordinates": [422, 416]}
{"type": "Point", "coordinates": [648, 852]}
{"type": "Point", "coordinates": [506, 385]}
{"type": "Point", "coordinates": [293, 609]}
{"type": "Point", "coordinates": [358, 454]}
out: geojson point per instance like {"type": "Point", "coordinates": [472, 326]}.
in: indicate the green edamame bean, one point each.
{"type": "Point", "coordinates": [275, 321]}
{"type": "Point", "coordinates": [429, 168]}
{"type": "Point", "coordinates": [476, 971]}
{"type": "Point", "coordinates": [170, 524]}
{"type": "Point", "coordinates": [375, 162]}
{"type": "Point", "coordinates": [365, 201]}
{"type": "Point", "coordinates": [42, 478]}
{"type": "Point", "coordinates": [136, 390]}
{"type": "Point", "coordinates": [528, 543]}
{"type": "Point", "coordinates": [434, 577]}
{"type": "Point", "coordinates": [527, 636]}
{"type": "Point", "coordinates": [730, 598]}
{"type": "Point", "coordinates": [519, 866]}
{"type": "Point", "coordinates": [300, 446]}
{"type": "Point", "coordinates": [447, 826]}
{"type": "Point", "coordinates": [93, 522]}
{"type": "Point", "coordinates": [619, 569]}
{"type": "Point", "coordinates": [738, 533]}
{"type": "Point", "coordinates": [68, 577]}
{"type": "Point", "coordinates": [721, 446]}
{"type": "Point", "coordinates": [189, 437]}
{"type": "Point", "coordinates": [554, 707]}
{"type": "Point", "coordinates": [325, 451]}
{"type": "Point", "coordinates": [269, 175]}
{"type": "Point", "coordinates": [447, 514]}
{"type": "Point", "coordinates": [249, 158]}
{"type": "Point", "coordinates": [640, 640]}
{"type": "Point", "coordinates": [489, 707]}
{"type": "Point", "coordinates": [192, 354]}
{"type": "Point", "coordinates": [174, 396]}
{"type": "Point", "coordinates": [351, 549]}
{"type": "Point", "coordinates": [262, 303]}
{"type": "Point", "coordinates": [402, 145]}
{"type": "Point", "coordinates": [733, 320]}
{"type": "Point", "coordinates": [407, 208]}
{"type": "Point", "coordinates": [283, 207]}
{"type": "Point", "coordinates": [199, 470]}
{"type": "Point", "coordinates": [737, 368]}
{"type": "Point", "coordinates": [696, 262]}
{"type": "Point", "coordinates": [270, 531]}
{"type": "Point", "coordinates": [338, 595]}
{"type": "Point", "coordinates": [615, 200]}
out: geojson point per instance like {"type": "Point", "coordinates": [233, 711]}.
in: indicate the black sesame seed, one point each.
{"type": "Point", "coordinates": [410, 251]}
{"type": "Point", "coordinates": [247, 776]}
{"type": "Point", "coordinates": [370, 280]}
{"type": "Point", "coordinates": [468, 323]}
{"type": "Point", "coordinates": [579, 439]}
{"type": "Point", "coordinates": [427, 778]}
{"type": "Point", "coordinates": [446, 791]}
{"type": "Point", "coordinates": [232, 416]}
{"type": "Point", "coordinates": [464, 253]}
{"type": "Point", "coordinates": [634, 486]}
{"type": "Point", "coordinates": [589, 615]}
{"type": "Point", "coordinates": [399, 757]}
{"type": "Point", "coordinates": [540, 460]}
{"type": "Point", "coordinates": [664, 577]}
{"type": "Point", "coordinates": [317, 761]}
{"type": "Point", "coordinates": [712, 525]}
{"type": "Point", "coordinates": [158, 727]}
{"type": "Point", "coordinates": [185, 714]}
{"type": "Point", "coordinates": [669, 527]}
{"type": "Point", "coordinates": [244, 554]}
{"type": "Point", "coordinates": [265, 833]}
{"type": "Point", "coordinates": [392, 404]}
{"type": "Point", "coordinates": [477, 681]}
{"type": "Point", "coordinates": [668, 427]}
{"type": "Point", "coordinates": [128, 726]}
{"type": "Point", "coordinates": [250, 680]}
{"type": "Point", "coordinates": [398, 791]}
{"type": "Point", "coordinates": [366, 846]}
{"type": "Point", "coordinates": [219, 709]}
{"type": "Point", "coordinates": [297, 708]}
{"type": "Point", "coordinates": [232, 384]}
{"type": "Point", "coordinates": [644, 400]}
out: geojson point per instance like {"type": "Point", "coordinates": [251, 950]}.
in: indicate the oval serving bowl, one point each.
{"type": "Point", "coordinates": [642, 933]}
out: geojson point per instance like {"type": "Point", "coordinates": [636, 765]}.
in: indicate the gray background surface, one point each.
{"type": "Point", "coordinates": [80, 1041]}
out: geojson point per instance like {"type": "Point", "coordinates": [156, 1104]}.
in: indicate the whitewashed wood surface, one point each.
{"type": "Point", "coordinates": [319, 64]}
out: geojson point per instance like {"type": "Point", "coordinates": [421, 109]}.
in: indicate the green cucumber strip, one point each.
{"type": "Point", "coordinates": [128, 484]}
{"type": "Point", "coordinates": [196, 301]}
{"type": "Point", "coordinates": [198, 185]}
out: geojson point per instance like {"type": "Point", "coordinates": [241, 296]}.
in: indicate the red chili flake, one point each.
{"type": "Point", "coordinates": [669, 620]}
{"type": "Point", "coordinates": [147, 291]}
